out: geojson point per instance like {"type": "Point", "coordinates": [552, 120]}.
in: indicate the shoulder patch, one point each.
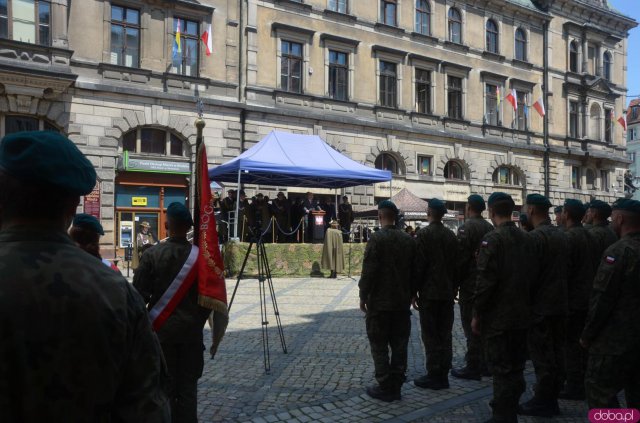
{"type": "Point", "coordinates": [485, 243]}
{"type": "Point", "coordinates": [610, 259]}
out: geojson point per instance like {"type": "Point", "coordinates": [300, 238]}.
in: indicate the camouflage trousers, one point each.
{"type": "Point", "coordinates": [185, 364]}
{"type": "Point", "coordinates": [575, 357]}
{"type": "Point", "coordinates": [546, 348]}
{"type": "Point", "coordinates": [506, 356]}
{"type": "Point", "coordinates": [389, 330]}
{"type": "Point", "coordinates": [436, 324]}
{"type": "Point", "coordinates": [474, 357]}
{"type": "Point", "coordinates": [607, 375]}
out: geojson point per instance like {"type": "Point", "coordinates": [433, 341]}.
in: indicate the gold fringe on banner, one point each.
{"type": "Point", "coordinates": [212, 304]}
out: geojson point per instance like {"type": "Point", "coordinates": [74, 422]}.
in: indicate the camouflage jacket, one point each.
{"type": "Point", "coordinates": [469, 238]}
{"type": "Point", "coordinates": [580, 271]}
{"type": "Point", "coordinates": [436, 262]}
{"type": "Point", "coordinates": [387, 282]}
{"type": "Point", "coordinates": [502, 297]}
{"type": "Point", "coordinates": [158, 268]}
{"type": "Point", "coordinates": [603, 236]}
{"type": "Point", "coordinates": [76, 344]}
{"type": "Point", "coordinates": [613, 321]}
{"type": "Point", "coordinates": [549, 287]}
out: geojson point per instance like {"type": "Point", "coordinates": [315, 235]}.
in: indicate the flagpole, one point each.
{"type": "Point", "coordinates": [200, 124]}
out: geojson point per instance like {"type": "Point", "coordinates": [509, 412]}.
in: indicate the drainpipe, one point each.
{"type": "Point", "coordinates": [545, 94]}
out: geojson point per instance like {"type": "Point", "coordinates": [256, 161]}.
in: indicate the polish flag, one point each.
{"type": "Point", "coordinates": [623, 121]}
{"type": "Point", "coordinates": [513, 99]}
{"type": "Point", "coordinates": [207, 40]}
{"type": "Point", "coordinates": [539, 106]}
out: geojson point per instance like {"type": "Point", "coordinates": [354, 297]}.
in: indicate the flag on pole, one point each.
{"type": "Point", "coordinates": [207, 40]}
{"type": "Point", "coordinates": [526, 106]}
{"type": "Point", "coordinates": [512, 98]}
{"type": "Point", "coordinates": [498, 94]}
{"type": "Point", "coordinates": [177, 47]}
{"type": "Point", "coordinates": [178, 43]}
{"type": "Point", "coordinates": [623, 121]}
{"type": "Point", "coordinates": [539, 106]}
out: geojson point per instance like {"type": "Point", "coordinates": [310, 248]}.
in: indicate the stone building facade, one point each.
{"type": "Point", "coordinates": [418, 87]}
{"type": "Point", "coordinates": [633, 143]}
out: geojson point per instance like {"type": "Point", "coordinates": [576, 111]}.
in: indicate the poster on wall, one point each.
{"type": "Point", "coordinates": [92, 202]}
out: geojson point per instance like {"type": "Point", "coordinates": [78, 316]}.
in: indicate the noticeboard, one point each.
{"type": "Point", "coordinates": [91, 202]}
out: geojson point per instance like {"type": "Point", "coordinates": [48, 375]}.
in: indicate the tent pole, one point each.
{"type": "Point", "coordinates": [391, 188]}
{"type": "Point", "coordinates": [336, 202]}
{"type": "Point", "coordinates": [237, 221]}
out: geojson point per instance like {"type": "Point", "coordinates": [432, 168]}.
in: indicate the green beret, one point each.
{"type": "Point", "coordinates": [626, 204]}
{"type": "Point", "coordinates": [178, 211]}
{"type": "Point", "coordinates": [538, 200]}
{"type": "Point", "coordinates": [49, 160]}
{"type": "Point", "coordinates": [86, 221]}
{"type": "Point", "coordinates": [388, 204]}
{"type": "Point", "coordinates": [438, 205]}
{"type": "Point", "coordinates": [499, 197]}
{"type": "Point", "coordinates": [477, 201]}
{"type": "Point", "coordinates": [600, 205]}
{"type": "Point", "coordinates": [574, 204]}
{"type": "Point", "coordinates": [557, 209]}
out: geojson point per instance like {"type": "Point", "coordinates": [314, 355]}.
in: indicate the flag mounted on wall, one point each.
{"type": "Point", "coordinates": [512, 98]}
{"type": "Point", "coordinates": [207, 40]}
{"type": "Point", "coordinates": [539, 106]}
{"type": "Point", "coordinates": [622, 120]}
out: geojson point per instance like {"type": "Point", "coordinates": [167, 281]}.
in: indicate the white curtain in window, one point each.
{"type": "Point", "coordinates": [24, 20]}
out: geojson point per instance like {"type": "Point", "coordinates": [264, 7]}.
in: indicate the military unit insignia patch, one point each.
{"type": "Point", "coordinates": [485, 243]}
{"type": "Point", "coordinates": [610, 259]}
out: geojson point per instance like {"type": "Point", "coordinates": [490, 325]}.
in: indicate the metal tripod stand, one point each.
{"type": "Point", "coordinates": [264, 276]}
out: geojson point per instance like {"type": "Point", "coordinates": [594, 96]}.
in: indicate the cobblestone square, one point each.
{"type": "Point", "coordinates": [328, 365]}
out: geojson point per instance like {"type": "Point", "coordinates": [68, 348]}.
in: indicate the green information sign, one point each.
{"type": "Point", "coordinates": [155, 166]}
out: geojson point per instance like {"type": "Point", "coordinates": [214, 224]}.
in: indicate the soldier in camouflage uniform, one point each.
{"type": "Point", "coordinates": [181, 334]}
{"type": "Point", "coordinates": [436, 262]}
{"type": "Point", "coordinates": [612, 329]}
{"type": "Point", "coordinates": [470, 236]}
{"type": "Point", "coordinates": [501, 311]}
{"type": "Point", "coordinates": [602, 233]}
{"type": "Point", "coordinates": [76, 344]}
{"type": "Point", "coordinates": [386, 291]}
{"type": "Point", "coordinates": [580, 273]}
{"type": "Point", "coordinates": [557, 212]}
{"type": "Point", "coordinates": [549, 306]}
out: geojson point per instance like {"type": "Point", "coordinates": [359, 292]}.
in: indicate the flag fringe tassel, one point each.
{"type": "Point", "coordinates": [212, 304]}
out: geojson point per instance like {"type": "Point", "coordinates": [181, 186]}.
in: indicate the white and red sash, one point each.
{"type": "Point", "coordinates": [176, 291]}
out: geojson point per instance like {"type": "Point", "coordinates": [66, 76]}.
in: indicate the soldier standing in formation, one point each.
{"type": "Point", "coordinates": [501, 311]}
{"type": "Point", "coordinates": [549, 306]}
{"type": "Point", "coordinates": [76, 342]}
{"type": "Point", "coordinates": [470, 236]}
{"type": "Point", "coordinates": [580, 274]}
{"type": "Point", "coordinates": [436, 278]}
{"type": "Point", "coordinates": [281, 212]}
{"type": "Point", "coordinates": [86, 231]}
{"type": "Point", "coordinates": [181, 334]}
{"type": "Point", "coordinates": [345, 217]}
{"type": "Point", "coordinates": [557, 211]}
{"type": "Point", "coordinates": [385, 296]}
{"type": "Point", "coordinates": [612, 329]}
{"type": "Point", "coordinates": [600, 230]}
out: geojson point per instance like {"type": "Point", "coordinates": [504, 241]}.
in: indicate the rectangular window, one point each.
{"type": "Point", "coordinates": [153, 141]}
{"type": "Point", "coordinates": [388, 12]}
{"type": "Point", "coordinates": [339, 6]}
{"type": "Point", "coordinates": [573, 119]}
{"type": "Point", "coordinates": [185, 55]}
{"type": "Point", "coordinates": [503, 175]}
{"type": "Point", "coordinates": [28, 21]}
{"type": "Point", "coordinates": [608, 125]}
{"type": "Point", "coordinates": [338, 75]}
{"type": "Point", "coordinates": [424, 165]}
{"type": "Point", "coordinates": [291, 67]}
{"type": "Point", "coordinates": [575, 177]}
{"type": "Point", "coordinates": [388, 84]}
{"type": "Point", "coordinates": [4, 19]}
{"type": "Point", "coordinates": [604, 180]}
{"type": "Point", "coordinates": [423, 91]}
{"type": "Point", "coordinates": [454, 97]}
{"type": "Point", "coordinates": [492, 112]}
{"type": "Point", "coordinates": [125, 36]}
{"type": "Point", "coordinates": [522, 112]}
{"type": "Point", "coordinates": [591, 60]}
{"type": "Point", "coordinates": [20, 124]}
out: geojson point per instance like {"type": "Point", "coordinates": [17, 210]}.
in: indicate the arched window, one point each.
{"type": "Point", "coordinates": [521, 45]}
{"type": "Point", "coordinates": [455, 26]}
{"type": "Point", "coordinates": [423, 15]}
{"type": "Point", "coordinates": [453, 170]}
{"type": "Point", "coordinates": [505, 175]}
{"type": "Point", "coordinates": [594, 122]}
{"type": "Point", "coordinates": [573, 56]}
{"type": "Point", "coordinates": [386, 161]}
{"type": "Point", "coordinates": [153, 141]}
{"type": "Point", "coordinates": [591, 179]}
{"type": "Point", "coordinates": [492, 36]}
{"type": "Point", "coordinates": [606, 66]}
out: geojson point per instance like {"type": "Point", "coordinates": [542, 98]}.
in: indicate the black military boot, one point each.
{"type": "Point", "coordinates": [466, 373]}
{"type": "Point", "coordinates": [382, 394]}
{"type": "Point", "coordinates": [572, 392]}
{"type": "Point", "coordinates": [539, 408]}
{"type": "Point", "coordinates": [430, 382]}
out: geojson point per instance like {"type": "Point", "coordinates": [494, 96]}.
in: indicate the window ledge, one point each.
{"type": "Point", "coordinates": [389, 28]}
{"type": "Point", "coordinates": [456, 46]}
{"type": "Point", "coordinates": [456, 120]}
{"type": "Point", "coordinates": [188, 78]}
{"type": "Point", "coordinates": [124, 69]}
{"type": "Point", "coordinates": [493, 56]}
{"type": "Point", "coordinates": [511, 186]}
{"type": "Point", "coordinates": [345, 102]}
{"type": "Point", "coordinates": [295, 4]}
{"type": "Point", "coordinates": [457, 181]}
{"type": "Point", "coordinates": [424, 37]}
{"type": "Point", "coordinates": [425, 115]}
{"type": "Point", "coordinates": [522, 64]}
{"type": "Point", "coordinates": [339, 15]}
{"type": "Point", "coordinates": [280, 91]}
{"type": "Point", "coordinates": [382, 108]}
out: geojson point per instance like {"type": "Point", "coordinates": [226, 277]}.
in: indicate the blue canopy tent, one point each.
{"type": "Point", "coordinates": [293, 160]}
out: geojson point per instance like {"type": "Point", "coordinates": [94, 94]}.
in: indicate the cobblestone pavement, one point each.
{"type": "Point", "coordinates": [328, 365]}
